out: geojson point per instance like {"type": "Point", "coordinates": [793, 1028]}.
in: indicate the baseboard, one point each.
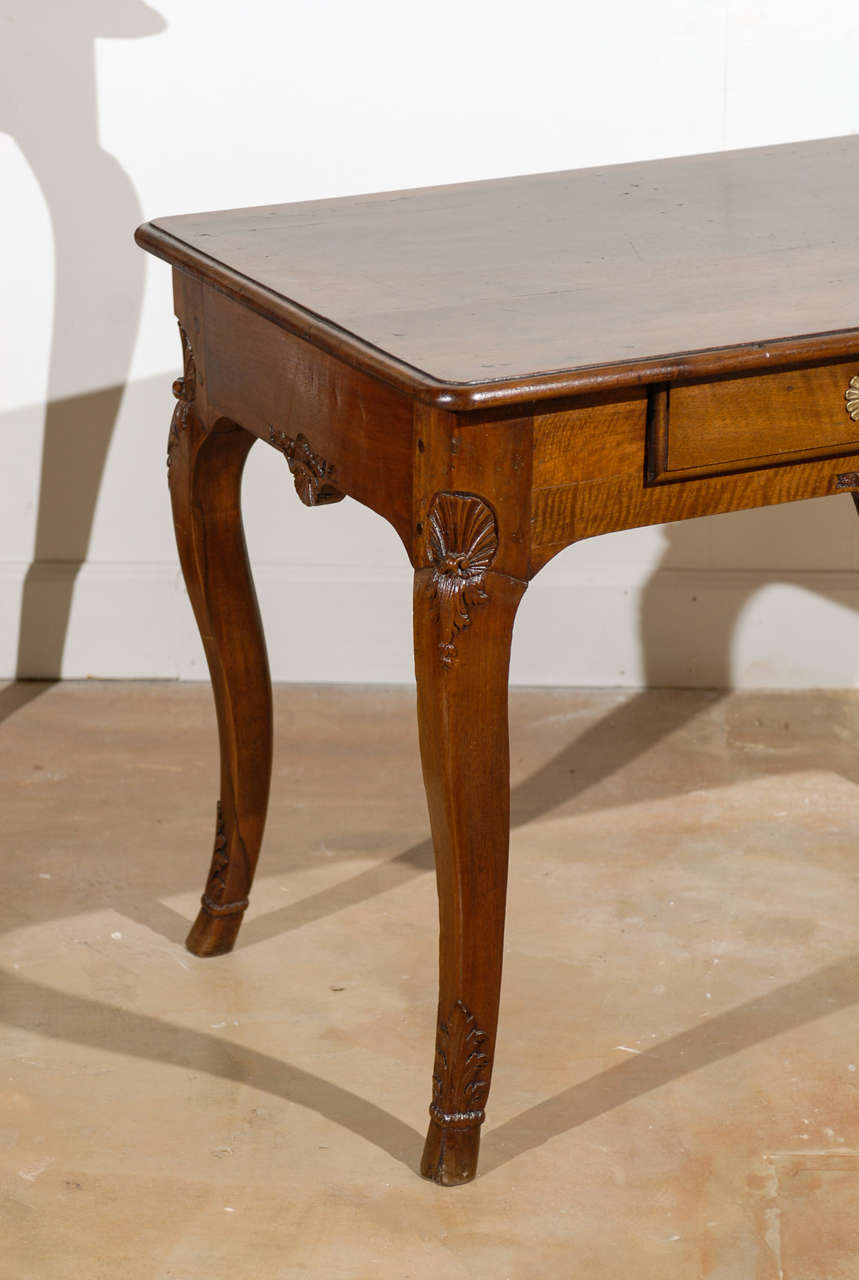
{"type": "Point", "coordinates": [680, 627]}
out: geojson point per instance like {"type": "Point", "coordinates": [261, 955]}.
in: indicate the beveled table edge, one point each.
{"type": "Point", "coordinates": [498, 393]}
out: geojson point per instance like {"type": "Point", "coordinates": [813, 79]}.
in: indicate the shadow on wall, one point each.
{"type": "Point", "coordinates": [690, 644]}
{"type": "Point", "coordinates": [48, 104]}
{"type": "Point", "coordinates": [689, 638]}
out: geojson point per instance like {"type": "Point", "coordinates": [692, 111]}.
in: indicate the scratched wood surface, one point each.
{"type": "Point", "coordinates": [512, 279]}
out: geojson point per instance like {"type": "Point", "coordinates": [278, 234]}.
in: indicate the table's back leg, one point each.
{"type": "Point", "coordinates": [463, 626]}
{"type": "Point", "coordinates": [205, 472]}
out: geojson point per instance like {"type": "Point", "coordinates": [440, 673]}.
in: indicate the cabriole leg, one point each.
{"type": "Point", "coordinates": [463, 618]}
{"type": "Point", "coordinates": [205, 471]}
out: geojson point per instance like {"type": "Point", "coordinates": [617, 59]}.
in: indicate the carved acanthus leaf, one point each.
{"type": "Point", "coordinates": [460, 1081]}
{"type": "Point", "coordinates": [312, 474]}
{"type": "Point", "coordinates": [220, 859]}
{"type": "Point", "coordinates": [184, 389]}
{"type": "Point", "coordinates": [462, 540]}
{"type": "Point", "coordinates": [216, 885]}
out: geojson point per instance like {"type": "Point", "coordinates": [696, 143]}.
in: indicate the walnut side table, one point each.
{"type": "Point", "coordinates": [499, 369]}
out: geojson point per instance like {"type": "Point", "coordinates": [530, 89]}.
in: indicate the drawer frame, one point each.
{"type": "Point", "coordinates": [658, 468]}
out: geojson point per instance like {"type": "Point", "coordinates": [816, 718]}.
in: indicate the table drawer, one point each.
{"type": "Point", "coordinates": [757, 420]}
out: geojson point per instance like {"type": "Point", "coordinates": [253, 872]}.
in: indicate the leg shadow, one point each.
{"type": "Point", "coordinates": [78, 1020]}
{"type": "Point", "coordinates": [78, 431]}
{"type": "Point", "coordinates": [18, 694]}
{"type": "Point", "coordinates": [41, 1010]}
{"type": "Point", "coordinates": [786, 1009]}
{"type": "Point", "coordinates": [385, 876]}
{"type": "Point", "coordinates": [48, 104]}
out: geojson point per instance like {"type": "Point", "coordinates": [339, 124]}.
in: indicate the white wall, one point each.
{"type": "Point", "coordinates": [117, 112]}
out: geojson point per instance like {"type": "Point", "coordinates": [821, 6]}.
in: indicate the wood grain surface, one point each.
{"type": "Point", "coordinates": [732, 422]}
{"type": "Point", "coordinates": [508, 287]}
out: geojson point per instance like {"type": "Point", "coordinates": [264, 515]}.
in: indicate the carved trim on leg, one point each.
{"type": "Point", "coordinates": [185, 390]}
{"type": "Point", "coordinates": [312, 474]}
{"type": "Point", "coordinates": [216, 885]}
{"type": "Point", "coordinates": [462, 540]}
{"type": "Point", "coordinates": [458, 1087]}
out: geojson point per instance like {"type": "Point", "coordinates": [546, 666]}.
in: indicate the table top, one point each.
{"type": "Point", "coordinates": [518, 287]}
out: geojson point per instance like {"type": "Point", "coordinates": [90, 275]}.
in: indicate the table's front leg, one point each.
{"type": "Point", "coordinates": [463, 619]}
{"type": "Point", "coordinates": [205, 470]}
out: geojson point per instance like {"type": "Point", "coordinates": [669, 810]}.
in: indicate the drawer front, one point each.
{"type": "Point", "coordinates": [738, 424]}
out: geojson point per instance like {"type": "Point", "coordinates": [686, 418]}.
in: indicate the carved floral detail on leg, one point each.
{"type": "Point", "coordinates": [462, 540]}
{"type": "Point", "coordinates": [216, 885]}
{"type": "Point", "coordinates": [459, 1088]}
{"type": "Point", "coordinates": [184, 389]}
{"type": "Point", "coordinates": [312, 474]}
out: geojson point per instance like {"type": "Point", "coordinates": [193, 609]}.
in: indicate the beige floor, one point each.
{"type": "Point", "coordinates": [676, 1087]}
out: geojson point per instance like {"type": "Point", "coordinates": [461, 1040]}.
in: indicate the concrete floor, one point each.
{"type": "Point", "coordinates": [675, 1093]}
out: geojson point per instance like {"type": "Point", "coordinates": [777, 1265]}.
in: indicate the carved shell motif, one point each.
{"type": "Point", "coordinates": [462, 540]}
{"type": "Point", "coordinates": [312, 474]}
{"type": "Point", "coordinates": [184, 389]}
{"type": "Point", "coordinates": [459, 1086]}
{"type": "Point", "coordinates": [852, 398]}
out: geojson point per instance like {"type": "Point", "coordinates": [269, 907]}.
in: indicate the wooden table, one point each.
{"type": "Point", "coordinates": [499, 369]}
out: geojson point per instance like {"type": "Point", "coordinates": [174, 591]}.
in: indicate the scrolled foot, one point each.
{"type": "Point", "coordinates": [222, 909]}
{"type": "Point", "coordinates": [214, 934]}
{"type": "Point", "coordinates": [450, 1154]}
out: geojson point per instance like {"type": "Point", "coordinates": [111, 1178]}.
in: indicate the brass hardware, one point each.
{"type": "Point", "coordinates": [851, 395]}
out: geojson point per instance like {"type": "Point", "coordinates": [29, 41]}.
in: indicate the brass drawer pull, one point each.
{"type": "Point", "coordinates": [851, 395]}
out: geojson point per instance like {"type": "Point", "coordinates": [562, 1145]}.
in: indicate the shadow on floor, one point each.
{"type": "Point", "coordinates": [578, 775]}
{"type": "Point", "coordinates": [78, 1020]}
{"type": "Point", "coordinates": [42, 1010]}
{"type": "Point", "coordinates": [788, 1007]}
{"type": "Point", "coordinates": [18, 694]}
